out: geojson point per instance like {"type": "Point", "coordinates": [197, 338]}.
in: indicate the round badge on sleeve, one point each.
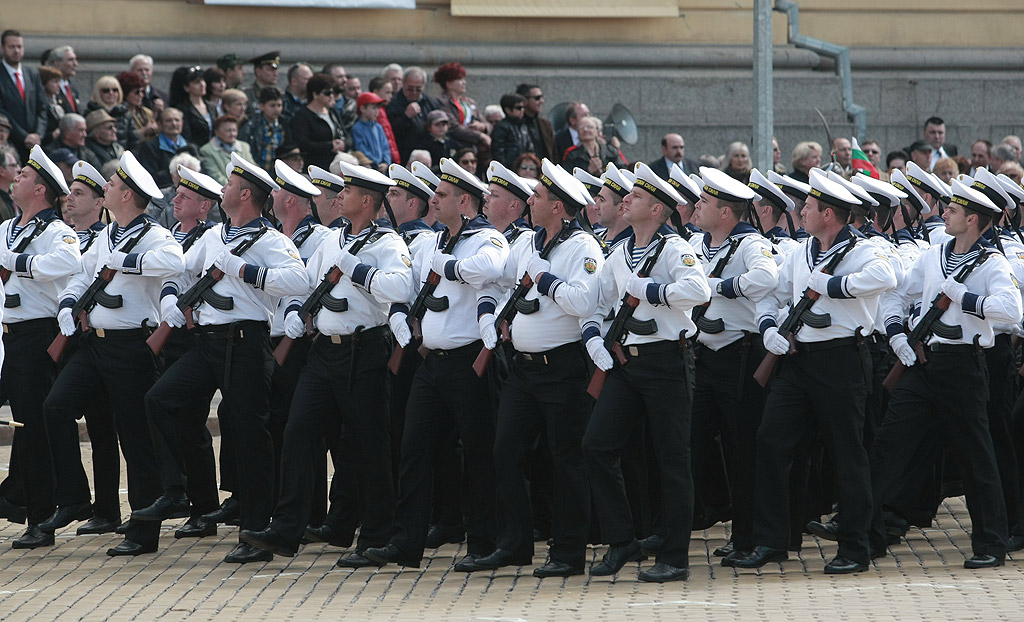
{"type": "Point", "coordinates": [590, 265]}
{"type": "Point", "coordinates": [689, 260]}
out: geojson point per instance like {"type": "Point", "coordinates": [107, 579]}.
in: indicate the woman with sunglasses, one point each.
{"type": "Point", "coordinates": [138, 119]}
{"type": "Point", "coordinates": [107, 95]}
{"type": "Point", "coordinates": [316, 127]}
{"type": "Point", "coordinates": [188, 94]}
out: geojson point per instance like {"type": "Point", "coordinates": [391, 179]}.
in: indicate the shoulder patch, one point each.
{"type": "Point", "coordinates": [1020, 256]}
{"type": "Point", "coordinates": [407, 261]}
{"type": "Point", "coordinates": [495, 241]}
{"type": "Point", "coordinates": [70, 239]}
{"type": "Point", "coordinates": [1015, 283]}
{"type": "Point", "coordinates": [293, 254]}
{"type": "Point", "coordinates": [590, 265]}
{"type": "Point", "coordinates": [767, 253]}
{"type": "Point", "coordinates": [689, 260]}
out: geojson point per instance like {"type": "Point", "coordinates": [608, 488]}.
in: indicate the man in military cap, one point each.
{"type": "Point", "coordinates": [727, 401]}
{"type": "Point", "coordinates": [446, 392]}
{"type": "Point", "coordinates": [616, 184]}
{"type": "Point", "coordinates": [979, 284]}
{"type": "Point", "coordinates": [37, 255]}
{"type": "Point", "coordinates": [231, 350]}
{"type": "Point", "coordinates": [823, 383]}
{"type": "Point", "coordinates": [113, 356]}
{"type": "Point", "coordinates": [661, 271]}
{"type": "Point", "coordinates": [264, 69]}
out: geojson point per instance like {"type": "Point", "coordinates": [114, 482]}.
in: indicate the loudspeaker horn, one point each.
{"type": "Point", "coordinates": [620, 122]}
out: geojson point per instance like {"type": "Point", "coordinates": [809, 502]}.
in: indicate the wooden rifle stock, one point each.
{"type": "Point", "coordinates": [916, 341]}
{"type": "Point", "coordinates": [764, 371]}
{"type": "Point", "coordinates": [600, 375]}
{"type": "Point", "coordinates": [162, 334]}
{"type": "Point", "coordinates": [81, 314]}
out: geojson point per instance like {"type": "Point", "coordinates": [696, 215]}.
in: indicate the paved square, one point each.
{"type": "Point", "coordinates": [922, 579]}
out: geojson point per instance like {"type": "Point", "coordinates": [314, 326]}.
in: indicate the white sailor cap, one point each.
{"type": "Point", "coordinates": [459, 177]}
{"type": "Point", "coordinates": [900, 182]}
{"type": "Point", "coordinates": [883, 192]}
{"type": "Point", "coordinates": [250, 172]}
{"type": "Point", "coordinates": [924, 180]}
{"type": "Point", "coordinates": [1012, 188]}
{"type": "Point", "coordinates": [407, 181]}
{"type": "Point", "coordinates": [866, 199]}
{"type": "Point", "coordinates": [427, 176]}
{"type": "Point", "coordinates": [591, 183]}
{"type": "Point", "coordinates": [770, 192]}
{"type": "Point", "coordinates": [945, 190]}
{"type": "Point", "coordinates": [498, 174]}
{"type": "Point", "coordinates": [987, 183]}
{"type": "Point", "coordinates": [137, 177]}
{"type": "Point", "coordinates": [719, 185]}
{"type": "Point", "coordinates": [687, 187]}
{"type": "Point", "coordinates": [87, 174]}
{"type": "Point", "coordinates": [793, 188]}
{"type": "Point", "coordinates": [204, 185]}
{"type": "Point", "coordinates": [50, 173]}
{"type": "Point", "coordinates": [584, 191]}
{"type": "Point", "coordinates": [325, 179]}
{"type": "Point", "coordinates": [564, 186]}
{"type": "Point", "coordinates": [531, 182]}
{"type": "Point", "coordinates": [292, 181]}
{"type": "Point", "coordinates": [973, 200]}
{"type": "Point", "coordinates": [618, 181]}
{"type": "Point", "coordinates": [661, 189]}
{"type": "Point", "coordinates": [831, 193]}
{"type": "Point", "coordinates": [363, 177]}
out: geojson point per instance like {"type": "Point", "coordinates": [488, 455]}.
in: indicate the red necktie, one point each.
{"type": "Point", "coordinates": [21, 86]}
{"type": "Point", "coordinates": [70, 96]}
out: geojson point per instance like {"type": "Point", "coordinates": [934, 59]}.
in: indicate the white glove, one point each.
{"type": "Point", "coordinates": [599, 354]}
{"type": "Point", "coordinates": [901, 346]}
{"type": "Point", "coordinates": [115, 260]}
{"type": "Point", "coordinates": [537, 266]}
{"type": "Point", "coordinates": [230, 264]}
{"type": "Point", "coordinates": [66, 321]}
{"type": "Point", "coordinates": [294, 327]}
{"type": "Point", "coordinates": [487, 331]}
{"type": "Point", "coordinates": [170, 312]}
{"type": "Point", "coordinates": [636, 286]}
{"type": "Point", "coordinates": [438, 262]}
{"type": "Point", "coordinates": [818, 281]}
{"type": "Point", "coordinates": [774, 342]}
{"type": "Point", "coordinates": [954, 289]}
{"type": "Point", "coordinates": [347, 262]}
{"type": "Point", "coordinates": [7, 259]}
{"type": "Point", "coordinates": [400, 328]}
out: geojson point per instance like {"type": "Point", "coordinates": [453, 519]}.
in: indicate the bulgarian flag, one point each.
{"type": "Point", "coordinates": [861, 164]}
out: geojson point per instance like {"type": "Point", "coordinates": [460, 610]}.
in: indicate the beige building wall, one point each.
{"type": "Point", "coordinates": [864, 23]}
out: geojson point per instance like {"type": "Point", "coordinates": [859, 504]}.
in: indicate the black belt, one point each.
{"type": "Point", "coordinates": [646, 349]}
{"type": "Point", "coordinates": [953, 347]}
{"type": "Point", "coordinates": [119, 333]}
{"type": "Point", "coordinates": [27, 325]}
{"type": "Point", "coordinates": [222, 331]}
{"type": "Point", "coordinates": [553, 356]}
{"type": "Point", "coordinates": [369, 333]}
{"type": "Point", "coordinates": [470, 348]}
{"type": "Point", "coordinates": [816, 346]}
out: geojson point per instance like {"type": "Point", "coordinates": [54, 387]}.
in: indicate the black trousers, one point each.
{"type": "Point", "coordinates": [653, 386]}
{"type": "Point", "coordinates": [547, 393]}
{"type": "Point", "coordinates": [350, 379]}
{"type": "Point", "coordinates": [821, 386]}
{"type": "Point", "coordinates": [1002, 373]}
{"type": "Point", "coordinates": [282, 388]}
{"type": "Point", "coordinates": [28, 373]}
{"type": "Point", "coordinates": [123, 366]}
{"type": "Point", "coordinates": [728, 401]}
{"type": "Point", "coordinates": [236, 359]}
{"type": "Point", "coordinates": [447, 393]}
{"type": "Point", "coordinates": [947, 394]}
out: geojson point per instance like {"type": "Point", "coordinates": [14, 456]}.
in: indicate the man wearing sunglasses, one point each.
{"type": "Point", "coordinates": [541, 133]}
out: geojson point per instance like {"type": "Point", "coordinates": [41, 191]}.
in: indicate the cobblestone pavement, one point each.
{"type": "Point", "coordinates": [921, 579]}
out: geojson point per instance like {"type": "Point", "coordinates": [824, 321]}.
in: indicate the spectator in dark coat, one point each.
{"type": "Point", "coordinates": [155, 155]}
{"type": "Point", "coordinates": [511, 136]}
{"type": "Point", "coordinates": [316, 127]}
{"type": "Point", "coordinates": [408, 111]}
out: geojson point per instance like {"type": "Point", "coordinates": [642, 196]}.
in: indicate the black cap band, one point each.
{"type": "Point", "coordinates": [89, 181]}
{"type": "Point", "coordinates": [793, 191]}
{"type": "Point", "coordinates": [460, 183]}
{"type": "Point", "coordinates": [292, 188]}
{"type": "Point", "coordinates": [405, 185]}
{"type": "Point", "coordinates": [325, 183]}
{"type": "Point", "coordinates": [351, 180]}
{"type": "Point", "coordinates": [616, 188]}
{"type": "Point", "coordinates": [569, 202]}
{"type": "Point", "coordinates": [725, 196]}
{"type": "Point", "coordinates": [244, 174]}
{"type": "Point", "coordinates": [126, 178]}
{"type": "Point", "coordinates": [990, 192]}
{"type": "Point", "coordinates": [191, 185]}
{"type": "Point", "coordinates": [49, 181]}
{"type": "Point", "coordinates": [831, 200]}
{"type": "Point", "coordinates": [511, 187]}
{"type": "Point", "coordinates": [658, 193]}
{"type": "Point", "coordinates": [684, 190]}
{"type": "Point", "coordinates": [973, 205]}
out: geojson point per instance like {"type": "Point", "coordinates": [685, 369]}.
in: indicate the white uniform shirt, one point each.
{"type": "Point", "coordinates": [382, 278]}
{"type": "Point", "coordinates": [156, 258]}
{"type": "Point", "coordinates": [678, 285]}
{"type": "Point", "coordinates": [850, 300]}
{"type": "Point", "coordinates": [749, 276]}
{"type": "Point", "coordinates": [566, 295]}
{"type": "Point", "coordinates": [307, 237]}
{"type": "Point", "coordinates": [992, 298]}
{"type": "Point", "coordinates": [273, 270]}
{"type": "Point", "coordinates": [42, 270]}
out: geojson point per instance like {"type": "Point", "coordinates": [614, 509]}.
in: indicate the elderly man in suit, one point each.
{"type": "Point", "coordinates": [673, 148]}
{"type": "Point", "coordinates": [22, 97]}
{"type": "Point", "coordinates": [63, 59]}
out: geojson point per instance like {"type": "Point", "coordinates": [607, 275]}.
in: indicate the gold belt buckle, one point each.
{"type": "Point", "coordinates": [100, 332]}
{"type": "Point", "coordinates": [336, 339]}
{"type": "Point", "coordinates": [633, 351]}
{"type": "Point", "coordinates": [6, 329]}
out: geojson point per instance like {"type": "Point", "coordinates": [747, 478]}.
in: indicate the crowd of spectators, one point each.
{"type": "Point", "coordinates": [320, 117]}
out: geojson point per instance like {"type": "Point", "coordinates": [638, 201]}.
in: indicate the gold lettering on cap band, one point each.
{"type": "Point", "coordinates": [619, 190]}
{"type": "Point", "coordinates": [960, 201]}
{"type": "Point", "coordinates": [316, 181]}
{"type": "Point", "coordinates": [190, 184]}
{"type": "Point", "coordinates": [710, 190]}
{"type": "Point", "coordinates": [657, 192]}
{"type": "Point", "coordinates": [85, 179]}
